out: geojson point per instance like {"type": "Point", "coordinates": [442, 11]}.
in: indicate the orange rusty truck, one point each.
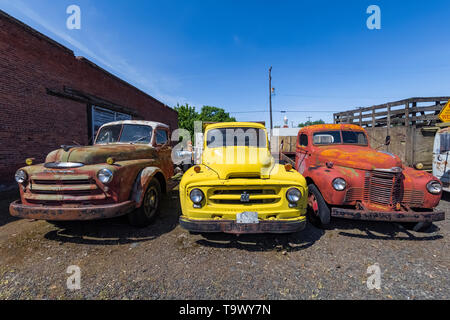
{"type": "Point", "coordinates": [349, 179]}
{"type": "Point", "coordinates": [125, 172]}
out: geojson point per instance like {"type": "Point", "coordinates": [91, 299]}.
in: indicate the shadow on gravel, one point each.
{"type": "Point", "coordinates": [264, 242]}
{"type": "Point", "coordinates": [5, 217]}
{"type": "Point", "coordinates": [117, 230]}
{"type": "Point", "coordinates": [446, 197]}
{"type": "Point", "coordinates": [377, 230]}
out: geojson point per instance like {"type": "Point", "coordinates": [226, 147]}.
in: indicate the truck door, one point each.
{"type": "Point", "coordinates": [162, 144]}
{"type": "Point", "coordinates": [302, 153]}
{"type": "Point", "coordinates": [441, 158]}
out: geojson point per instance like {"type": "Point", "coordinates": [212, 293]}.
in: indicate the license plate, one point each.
{"type": "Point", "coordinates": [247, 218]}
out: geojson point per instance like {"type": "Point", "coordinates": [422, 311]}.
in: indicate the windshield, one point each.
{"type": "Point", "coordinates": [236, 137]}
{"type": "Point", "coordinates": [127, 133]}
{"type": "Point", "coordinates": [340, 137]}
{"type": "Point", "coordinates": [445, 142]}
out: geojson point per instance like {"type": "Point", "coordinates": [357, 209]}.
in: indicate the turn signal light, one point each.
{"type": "Point", "coordinates": [197, 169]}
{"type": "Point", "coordinates": [419, 166]}
{"type": "Point", "coordinates": [29, 161]}
{"type": "Point", "coordinates": [110, 161]}
{"type": "Point", "coordinates": [288, 167]}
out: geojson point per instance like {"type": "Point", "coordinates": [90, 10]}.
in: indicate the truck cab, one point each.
{"type": "Point", "coordinates": [125, 171]}
{"type": "Point", "coordinates": [239, 188]}
{"type": "Point", "coordinates": [347, 178]}
{"type": "Point", "coordinates": [441, 153]}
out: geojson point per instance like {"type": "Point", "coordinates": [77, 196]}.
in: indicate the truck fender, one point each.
{"type": "Point", "coordinates": [142, 181]}
{"type": "Point", "coordinates": [322, 178]}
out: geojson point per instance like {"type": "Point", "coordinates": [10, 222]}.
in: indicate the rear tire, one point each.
{"type": "Point", "coordinates": [149, 210]}
{"type": "Point", "coordinates": [319, 213]}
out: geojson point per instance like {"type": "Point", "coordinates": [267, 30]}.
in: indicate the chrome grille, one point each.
{"type": "Point", "coordinates": [68, 189]}
{"type": "Point", "coordinates": [233, 196]}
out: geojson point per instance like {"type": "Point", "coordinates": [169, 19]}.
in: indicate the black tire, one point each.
{"type": "Point", "coordinates": [322, 216]}
{"type": "Point", "coordinates": [149, 210]}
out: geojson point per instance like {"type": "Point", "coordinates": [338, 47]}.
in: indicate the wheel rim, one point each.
{"type": "Point", "coordinates": [151, 202]}
{"type": "Point", "coordinates": [313, 204]}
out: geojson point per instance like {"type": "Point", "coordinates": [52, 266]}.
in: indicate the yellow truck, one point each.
{"type": "Point", "coordinates": [239, 188]}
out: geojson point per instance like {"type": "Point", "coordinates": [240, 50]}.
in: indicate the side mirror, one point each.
{"type": "Point", "coordinates": [388, 140]}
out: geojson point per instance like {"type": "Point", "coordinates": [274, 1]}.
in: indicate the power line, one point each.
{"type": "Point", "coordinates": [286, 111]}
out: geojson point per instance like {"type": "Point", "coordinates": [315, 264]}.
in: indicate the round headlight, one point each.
{"type": "Point", "coordinates": [105, 176]}
{"type": "Point", "coordinates": [339, 184]}
{"type": "Point", "coordinates": [21, 176]}
{"type": "Point", "coordinates": [434, 187]}
{"type": "Point", "coordinates": [197, 196]}
{"type": "Point", "coordinates": [293, 195]}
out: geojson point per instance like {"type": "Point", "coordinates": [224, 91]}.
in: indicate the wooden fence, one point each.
{"type": "Point", "coordinates": [414, 111]}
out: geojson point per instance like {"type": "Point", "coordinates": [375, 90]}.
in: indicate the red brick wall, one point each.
{"type": "Point", "coordinates": [32, 122]}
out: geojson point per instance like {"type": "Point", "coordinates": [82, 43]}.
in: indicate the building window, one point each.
{"type": "Point", "coordinates": [100, 116]}
{"type": "Point", "coordinates": [161, 137]}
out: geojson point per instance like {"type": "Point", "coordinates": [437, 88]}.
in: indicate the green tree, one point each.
{"type": "Point", "coordinates": [214, 114]}
{"type": "Point", "coordinates": [310, 123]}
{"type": "Point", "coordinates": [186, 117]}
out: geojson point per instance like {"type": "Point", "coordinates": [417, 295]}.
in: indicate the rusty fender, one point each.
{"type": "Point", "coordinates": [142, 181]}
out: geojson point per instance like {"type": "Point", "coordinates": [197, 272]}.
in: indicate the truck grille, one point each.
{"type": "Point", "coordinates": [413, 198]}
{"type": "Point", "coordinates": [386, 189]}
{"type": "Point", "coordinates": [68, 189]}
{"type": "Point", "coordinates": [383, 188]}
{"type": "Point", "coordinates": [233, 196]}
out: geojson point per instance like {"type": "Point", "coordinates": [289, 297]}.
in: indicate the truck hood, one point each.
{"type": "Point", "coordinates": [357, 157]}
{"type": "Point", "coordinates": [239, 162]}
{"type": "Point", "coordinates": [99, 153]}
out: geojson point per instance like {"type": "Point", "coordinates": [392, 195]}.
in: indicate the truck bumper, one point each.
{"type": "Point", "coordinates": [394, 216]}
{"type": "Point", "coordinates": [17, 209]}
{"type": "Point", "coordinates": [230, 226]}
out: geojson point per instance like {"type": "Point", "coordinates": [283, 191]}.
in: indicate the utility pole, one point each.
{"type": "Point", "coordinates": [309, 119]}
{"type": "Point", "coordinates": [270, 99]}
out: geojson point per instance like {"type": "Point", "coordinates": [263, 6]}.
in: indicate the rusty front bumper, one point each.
{"type": "Point", "coordinates": [230, 226]}
{"type": "Point", "coordinates": [394, 216]}
{"type": "Point", "coordinates": [17, 209]}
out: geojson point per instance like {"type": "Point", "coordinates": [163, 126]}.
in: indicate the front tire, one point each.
{"type": "Point", "coordinates": [148, 211]}
{"type": "Point", "coordinates": [319, 213]}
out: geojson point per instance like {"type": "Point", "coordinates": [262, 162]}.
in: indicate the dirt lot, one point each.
{"type": "Point", "coordinates": [165, 262]}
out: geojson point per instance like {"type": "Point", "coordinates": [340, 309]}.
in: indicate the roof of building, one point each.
{"type": "Point", "coordinates": [81, 59]}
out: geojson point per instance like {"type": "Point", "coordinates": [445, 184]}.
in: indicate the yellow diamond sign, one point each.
{"type": "Point", "coordinates": [444, 115]}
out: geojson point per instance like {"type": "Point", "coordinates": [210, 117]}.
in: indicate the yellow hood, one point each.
{"type": "Point", "coordinates": [239, 162]}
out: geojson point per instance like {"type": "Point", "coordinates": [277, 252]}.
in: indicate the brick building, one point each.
{"type": "Point", "coordinates": [49, 97]}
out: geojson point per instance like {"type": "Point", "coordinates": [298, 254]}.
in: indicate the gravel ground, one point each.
{"type": "Point", "coordinates": [164, 261]}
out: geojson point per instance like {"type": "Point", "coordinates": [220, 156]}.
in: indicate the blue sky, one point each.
{"type": "Point", "coordinates": [218, 53]}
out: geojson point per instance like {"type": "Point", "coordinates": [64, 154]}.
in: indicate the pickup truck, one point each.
{"type": "Point", "coordinates": [347, 178]}
{"type": "Point", "coordinates": [239, 188]}
{"type": "Point", "coordinates": [125, 172]}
